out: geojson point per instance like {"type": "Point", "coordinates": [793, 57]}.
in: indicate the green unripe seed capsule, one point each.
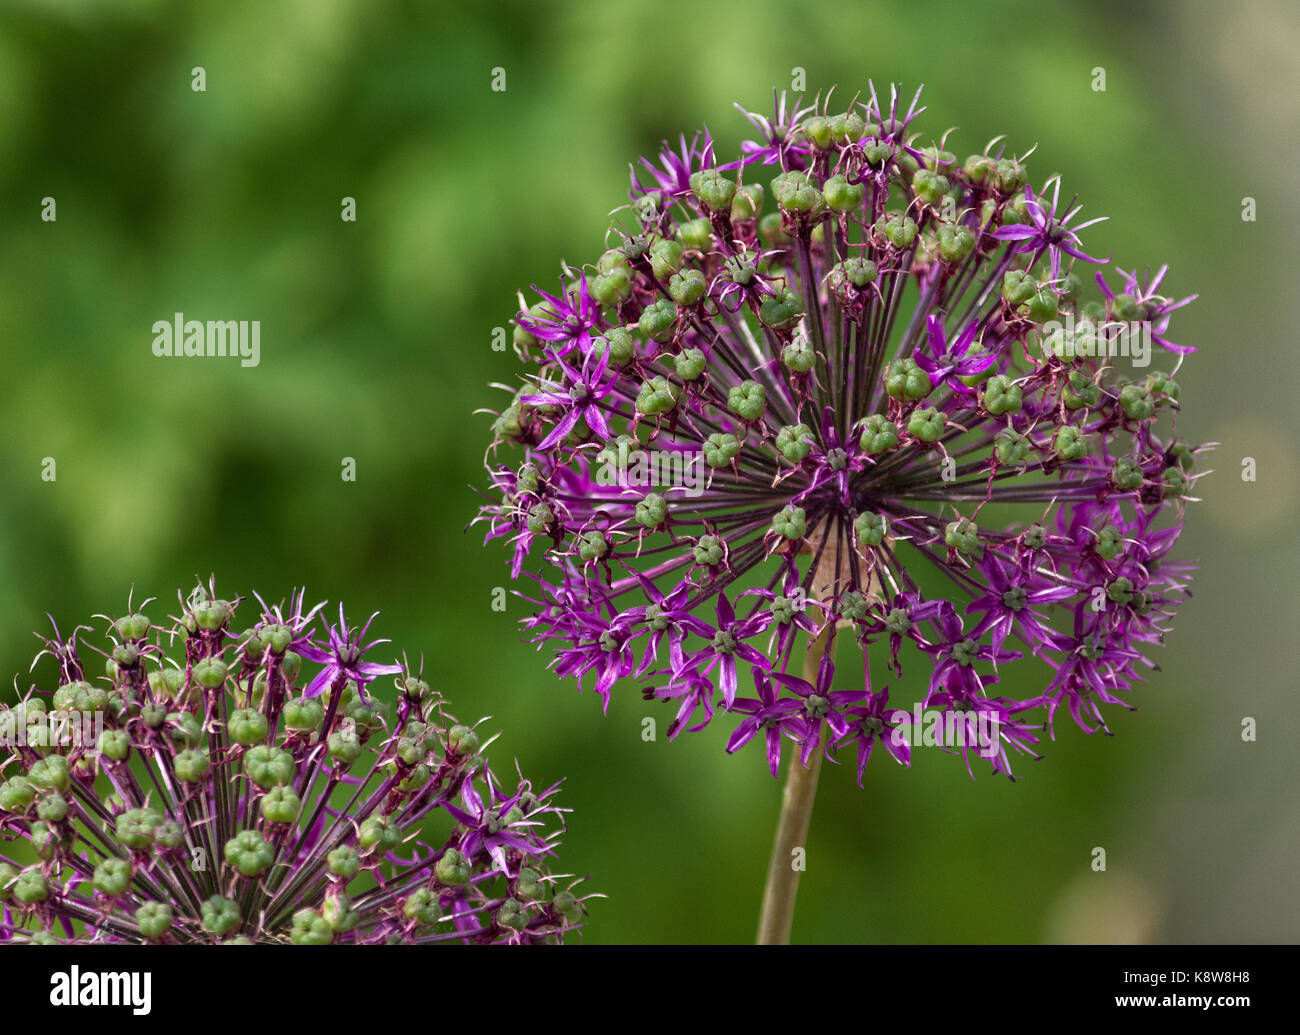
{"type": "Point", "coordinates": [794, 442]}
{"type": "Point", "coordinates": [720, 449]}
{"type": "Point", "coordinates": [512, 914]}
{"type": "Point", "coordinates": [905, 380]}
{"type": "Point", "coordinates": [303, 713]}
{"type": "Point", "coordinates": [842, 196]}
{"type": "Point", "coordinates": [708, 551]}
{"type": "Point", "coordinates": [927, 424]}
{"type": "Point", "coordinates": [247, 727]}
{"type": "Point", "coordinates": [871, 528]}
{"type": "Point", "coordinates": [154, 919]}
{"type": "Point", "coordinates": [249, 853]}
{"type": "Point", "coordinates": [790, 522]}
{"type": "Point", "coordinates": [310, 928]}
{"type": "Point", "coordinates": [1069, 444]}
{"type": "Point", "coordinates": [269, 766]}
{"type": "Point", "coordinates": [1002, 395]}
{"type": "Point", "coordinates": [461, 740]}
{"type": "Point", "coordinates": [781, 312]}
{"type": "Point", "coordinates": [1127, 473]}
{"type": "Point", "coordinates": [665, 258]}
{"type": "Point", "coordinates": [658, 320]}
{"type": "Point", "coordinates": [29, 888]}
{"type": "Point", "coordinates": [651, 511]}
{"type": "Point", "coordinates": [748, 203]}
{"type": "Point", "coordinates": [280, 805]}
{"type": "Point", "coordinates": [51, 773]}
{"type": "Point", "coordinates": [192, 765]}
{"type": "Point", "coordinates": [52, 807]}
{"type": "Point", "coordinates": [714, 191]}
{"type": "Point", "coordinates": [453, 868]}
{"type": "Point", "coordinates": [878, 434]}
{"type": "Point", "coordinates": [112, 877]}
{"type": "Point", "coordinates": [1012, 447]}
{"type": "Point", "coordinates": [344, 862]}
{"type": "Point", "coordinates": [962, 535]}
{"type": "Point", "coordinates": [695, 235]}
{"type": "Point", "coordinates": [798, 355]}
{"type": "Point", "coordinates": [747, 400]}
{"type": "Point", "coordinates": [219, 915]}
{"type": "Point", "coordinates": [687, 287]}
{"type": "Point", "coordinates": [135, 828]}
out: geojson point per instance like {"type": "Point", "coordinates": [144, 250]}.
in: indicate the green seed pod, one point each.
{"type": "Point", "coordinates": [453, 868]}
{"type": "Point", "coordinates": [1002, 395]}
{"type": "Point", "coordinates": [842, 196]}
{"type": "Point", "coordinates": [1069, 444]}
{"type": "Point", "coordinates": [794, 442]}
{"type": "Point", "coordinates": [154, 919]}
{"type": "Point", "coordinates": [783, 311]}
{"type": "Point", "coordinates": [927, 424]}
{"type": "Point", "coordinates": [30, 887]}
{"type": "Point", "coordinates": [790, 522]}
{"type": "Point", "coordinates": [708, 550]}
{"type": "Point", "coordinates": [748, 203]}
{"type": "Point", "coordinates": [379, 832]}
{"type": "Point", "coordinates": [720, 449]}
{"type": "Point", "coordinates": [51, 773]}
{"type": "Point", "coordinates": [52, 807]}
{"type": "Point", "coordinates": [652, 510]}
{"type": "Point", "coordinates": [185, 728]}
{"type": "Point", "coordinates": [1012, 447]}
{"type": "Point", "coordinates": [687, 287]}
{"type": "Point", "coordinates": [657, 396]}
{"type": "Point", "coordinates": [714, 191]}
{"type": "Point", "coordinates": [192, 765]}
{"type": "Point", "coordinates": [280, 805]}
{"type": "Point", "coordinates": [220, 915]}
{"type": "Point", "coordinates": [962, 535]}
{"type": "Point", "coordinates": [269, 766]}
{"type": "Point", "coordinates": [303, 713]}
{"type": "Point", "coordinates": [879, 434]}
{"type": "Point", "coordinates": [747, 400]}
{"type": "Point", "coordinates": [798, 355]}
{"type": "Point", "coordinates": [249, 853]}
{"type": "Point", "coordinates": [690, 364]}
{"type": "Point", "coordinates": [905, 380]}
{"type": "Point", "coordinates": [247, 727]}
{"type": "Point", "coordinates": [462, 741]}
{"type": "Point", "coordinates": [135, 828]}
{"type": "Point", "coordinates": [665, 258]}
{"type": "Point", "coordinates": [871, 528]}
{"type": "Point", "coordinates": [1127, 473]}
{"type": "Point", "coordinates": [112, 877]}
{"type": "Point", "coordinates": [421, 905]}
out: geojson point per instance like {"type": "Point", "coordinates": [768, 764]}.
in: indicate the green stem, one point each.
{"type": "Point", "coordinates": [792, 829]}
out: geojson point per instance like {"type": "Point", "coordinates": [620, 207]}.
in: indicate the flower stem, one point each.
{"type": "Point", "coordinates": [792, 830]}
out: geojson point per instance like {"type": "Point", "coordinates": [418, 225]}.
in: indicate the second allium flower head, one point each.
{"type": "Point", "coordinates": [888, 361]}
{"type": "Point", "coordinates": [210, 789]}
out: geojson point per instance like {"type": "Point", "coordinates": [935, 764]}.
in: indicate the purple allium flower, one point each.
{"type": "Point", "coordinates": [823, 391]}
{"type": "Point", "coordinates": [223, 796]}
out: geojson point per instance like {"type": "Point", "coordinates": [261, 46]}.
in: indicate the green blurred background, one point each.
{"type": "Point", "coordinates": [376, 345]}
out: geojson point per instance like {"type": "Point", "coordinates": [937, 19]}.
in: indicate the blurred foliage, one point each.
{"type": "Point", "coordinates": [375, 345]}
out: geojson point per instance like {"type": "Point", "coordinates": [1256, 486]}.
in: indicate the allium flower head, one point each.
{"type": "Point", "coordinates": [210, 788]}
{"type": "Point", "coordinates": [796, 387]}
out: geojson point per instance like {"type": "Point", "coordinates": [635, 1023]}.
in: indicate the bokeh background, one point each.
{"type": "Point", "coordinates": [376, 345]}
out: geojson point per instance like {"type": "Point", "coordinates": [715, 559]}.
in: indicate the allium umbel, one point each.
{"type": "Point", "coordinates": [212, 788]}
{"type": "Point", "coordinates": [882, 362]}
